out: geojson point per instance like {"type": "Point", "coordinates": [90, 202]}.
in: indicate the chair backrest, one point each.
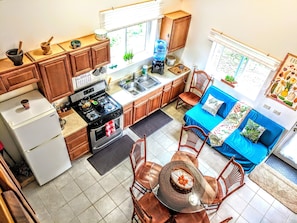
{"type": "Point", "coordinates": [199, 82]}
{"type": "Point", "coordinates": [231, 178]}
{"type": "Point", "coordinates": [138, 154]}
{"type": "Point", "coordinates": [190, 141]}
{"type": "Point", "coordinates": [138, 210]}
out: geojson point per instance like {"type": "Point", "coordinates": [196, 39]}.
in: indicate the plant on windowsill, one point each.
{"type": "Point", "coordinates": [128, 56]}
{"type": "Point", "coordinates": [230, 80]}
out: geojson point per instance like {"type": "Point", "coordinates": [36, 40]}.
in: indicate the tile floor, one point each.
{"type": "Point", "coordinates": [82, 195]}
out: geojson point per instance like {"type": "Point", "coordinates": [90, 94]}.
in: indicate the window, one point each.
{"type": "Point", "coordinates": [131, 28]}
{"type": "Point", "coordinates": [249, 68]}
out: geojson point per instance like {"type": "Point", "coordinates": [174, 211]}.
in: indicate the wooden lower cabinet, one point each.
{"type": "Point", "coordinates": [77, 144]}
{"type": "Point", "coordinates": [178, 86]}
{"type": "Point", "coordinates": [128, 115]}
{"type": "Point", "coordinates": [147, 104]}
{"type": "Point", "coordinates": [166, 94]}
{"type": "Point", "coordinates": [2, 87]}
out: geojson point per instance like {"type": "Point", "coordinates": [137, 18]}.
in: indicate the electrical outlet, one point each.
{"type": "Point", "coordinates": [267, 107]}
{"type": "Point", "coordinates": [276, 112]}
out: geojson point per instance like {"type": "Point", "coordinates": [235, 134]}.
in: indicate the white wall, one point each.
{"type": "Point", "coordinates": [267, 25]}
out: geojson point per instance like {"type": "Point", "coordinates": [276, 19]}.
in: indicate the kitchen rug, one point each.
{"type": "Point", "coordinates": [276, 185]}
{"type": "Point", "coordinates": [112, 155]}
{"type": "Point", "coordinates": [150, 124]}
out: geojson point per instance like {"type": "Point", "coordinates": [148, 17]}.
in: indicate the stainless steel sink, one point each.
{"type": "Point", "coordinates": [140, 84]}
{"type": "Point", "coordinates": [133, 87]}
{"type": "Point", "coordinates": [148, 81]}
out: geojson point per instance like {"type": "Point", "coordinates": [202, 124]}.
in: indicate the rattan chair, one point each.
{"type": "Point", "coordinates": [199, 83]}
{"type": "Point", "coordinates": [229, 180]}
{"type": "Point", "coordinates": [190, 145]}
{"type": "Point", "coordinates": [145, 173]}
{"type": "Point", "coordinates": [149, 209]}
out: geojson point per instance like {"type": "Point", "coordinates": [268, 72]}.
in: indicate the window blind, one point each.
{"type": "Point", "coordinates": [121, 17]}
{"type": "Point", "coordinates": [241, 48]}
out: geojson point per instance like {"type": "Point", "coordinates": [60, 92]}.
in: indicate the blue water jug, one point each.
{"type": "Point", "coordinates": [160, 50]}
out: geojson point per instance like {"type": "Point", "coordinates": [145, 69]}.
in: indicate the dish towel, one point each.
{"type": "Point", "coordinates": [237, 114]}
{"type": "Point", "coordinates": [109, 128]}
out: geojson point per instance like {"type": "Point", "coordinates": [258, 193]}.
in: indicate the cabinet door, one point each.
{"type": "Point", "coordinates": [2, 87]}
{"type": "Point", "coordinates": [154, 101]}
{"type": "Point", "coordinates": [166, 94]}
{"type": "Point", "coordinates": [56, 78]}
{"type": "Point", "coordinates": [101, 54]}
{"type": "Point", "coordinates": [81, 61]}
{"type": "Point", "coordinates": [178, 87]}
{"type": "Point", "coordinates": [174, 29]}
{"type": "Point", "coordinates": [140, 109]}
{"type": "Point", "coordinates": [128, 115]}
{"type": "Point", "coordinates": [179, 33]}
{"type": "Point", "coordinates": [20, 77]}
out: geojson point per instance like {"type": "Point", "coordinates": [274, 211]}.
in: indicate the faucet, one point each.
{"type": "Point", "coordinates": [133, 76]}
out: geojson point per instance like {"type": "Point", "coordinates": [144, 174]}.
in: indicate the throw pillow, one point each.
{"type": "Point", "coordinates": [212, 105]}
{"type": "Point", "coordinates": [252, 131]}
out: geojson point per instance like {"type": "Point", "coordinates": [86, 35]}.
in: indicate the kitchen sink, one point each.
{"type": "Point", "coordinates": [140, 84]}
{"type": "Point", "coordinates": [133, 87]}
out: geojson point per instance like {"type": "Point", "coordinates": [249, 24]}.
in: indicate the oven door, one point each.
{"type": "Point", "coordinates": [102, 136]}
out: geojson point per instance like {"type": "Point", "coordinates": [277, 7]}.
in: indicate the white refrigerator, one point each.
{"type": "Point", "coordinates": [37, 134]}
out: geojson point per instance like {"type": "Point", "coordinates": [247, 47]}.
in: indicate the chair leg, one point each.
{"type": "Point", "coordinates": [178, 104]}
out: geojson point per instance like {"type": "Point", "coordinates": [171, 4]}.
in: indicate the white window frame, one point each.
{"type": "Point", "coordinates": [267, 63]}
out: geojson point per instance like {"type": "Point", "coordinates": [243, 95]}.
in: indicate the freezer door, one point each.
{"type": "Point", "coordinates": [37, 131]}
{"type": "Point", "coordinates": [48, 160]}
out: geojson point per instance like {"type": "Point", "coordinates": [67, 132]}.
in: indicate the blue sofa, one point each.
{"type": "Point", "coordinates": [247, 153]}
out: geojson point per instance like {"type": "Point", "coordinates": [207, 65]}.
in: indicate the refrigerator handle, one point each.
{"type": "Point", "coordinates": [43, 143]}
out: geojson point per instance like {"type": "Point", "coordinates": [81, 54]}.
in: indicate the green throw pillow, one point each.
{"type": "Point", "coordinates": [212, 105]}
{"type": "Point", "coordinates": [252, 131]}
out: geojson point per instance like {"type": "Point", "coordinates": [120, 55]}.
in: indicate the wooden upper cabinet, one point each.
{"type": "Point", "coordinates": [174, 29]}
{"type": "Point", "coordinates": [56, 78]}
{"type": "Point", "coordinates": [81, 61]}
{"type": "Point", "coordinates": [101, 54]}
{"type": "Point", "coordinates": [14, 77]}
{"type": "Point", "coordinates": [90, 55]}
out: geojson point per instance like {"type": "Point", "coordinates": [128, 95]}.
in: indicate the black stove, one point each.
{"type": "Point", "coordinates": [101, 107]}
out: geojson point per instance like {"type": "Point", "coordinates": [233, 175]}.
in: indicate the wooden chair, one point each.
{"type": "Point", "coordinates": [226, 220]}
{"type": "Point", "coordinates": [149, 209]}
{"type": "Point", "coordinates": [198, 217]}
{"type": "Point", "coordinates": [145, 173]}
{"type": "Point", "coordinates": [229, 180]}
{"type": "Point", "coordinates": [199, 83]}
{"type": "Point", "coordinates": [190, 145]}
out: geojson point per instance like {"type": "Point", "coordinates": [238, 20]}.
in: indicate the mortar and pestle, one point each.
{"type": "Point", "coordinates": [16, 55]}
{"type": "Point", "coordinates": [46, 46]}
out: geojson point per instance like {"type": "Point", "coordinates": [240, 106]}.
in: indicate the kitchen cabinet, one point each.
{"type": "Point", "coordinates": [90, 55]}
{"type": "Point", "coordinates": [55, 72]}
{"type": "Point", "coordinates": [147, 105]}
{"type": "Point", "coordinates": [77, 144]}
{"type": "Point", "coordinates": [14, 77]}
{"type": "Point", "coordinates": [128, 115]}
{"type": "Point", "coordinates": [166, 94]}
{"type": "Point", "coordinates": [178, 87]}
{"type": "Point", "coordinates": [56, 78]}
{"type": "Point", "coordinates": [174, 29]}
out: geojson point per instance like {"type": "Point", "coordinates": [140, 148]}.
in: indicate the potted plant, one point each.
{"type": "Point", "coordinates": [128, 56]}
{"type": "Point", "coordinates": [230, 80]}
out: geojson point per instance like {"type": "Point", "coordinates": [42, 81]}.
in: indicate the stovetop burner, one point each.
{"type": "Point", "coordinates": [103, 107]}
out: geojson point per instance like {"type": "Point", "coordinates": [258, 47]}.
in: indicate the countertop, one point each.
{"type": "Point", "coordinates": [124, 97]}
{"type": "Point", "coordinates": [73, 123]}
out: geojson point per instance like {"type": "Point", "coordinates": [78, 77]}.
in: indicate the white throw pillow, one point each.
{"type": "Point", "coordinates": [212, 105]}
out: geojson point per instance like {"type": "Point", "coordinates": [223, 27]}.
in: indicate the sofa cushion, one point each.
{"type": "Point", "coordinates": [212, 105]}
{"type": "Point", "coordinates": [228, 104]}
{"type": "Point", "coordinates": [252, 131]}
